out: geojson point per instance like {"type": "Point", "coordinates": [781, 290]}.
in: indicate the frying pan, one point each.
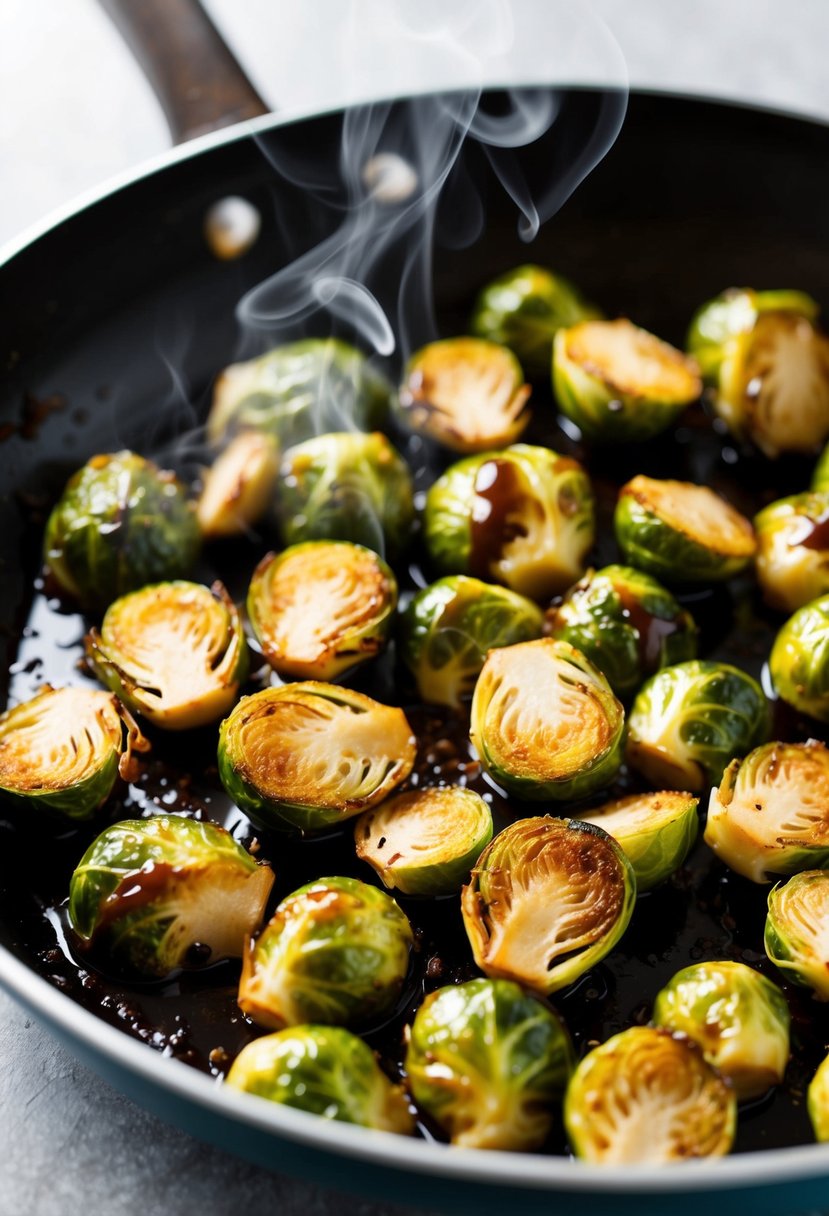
{"type": "Point", "coordinates": [98, 309]}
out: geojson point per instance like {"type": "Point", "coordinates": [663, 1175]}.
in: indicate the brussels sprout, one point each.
{"type": "Point", "coordinates": [820, 477]}
{"type": "Point", "coordinates": [465, 393]}
{"type": "Point", "coordinates": [524, 309]}
{"type": "Point", "coordinates": [768, 365]}
{"type": "Point", "coordinates": [346, 487]}
{"type": "Point", "coordinates": [656, 832]}
{"type": "Point", "coordinates": [321, 608]}
{"type": "Point", "coordinates": [818, 1102]}
{"type": "Point", "coordinates": [647, 1098]}
{"type": "Point", "coordinates": [626, 623]}
{"type": "Point", "coordinates": [799, 660]}
{"type": "Point", "coordinates": [238, 486]}
{"type": "Point", "coordinates": [167, 892]}
{"type": "Point", "coordinates": [174, 652]}
{"type": "Point", "coordinates": [448, 628]}
{"type": "Point", "coordinates": [545, 722]}
{"type": "Point", "coordinates": [64, 750]}
{"type": "Point", "coordinates": [770, 814]}
{"type": "Point", "coordinates": [425, 842]}
{"type": "Point", "coordinates": [738, 1018]}
{"type": "Point", "coordinates": [326, 1071]}
{"type": "Point", "coordinates": [619, 383]}
{"type": "Point", "coordinates": [309, 755]}
{"type": "Point", "coordinates": [523, 517]}
{"type": "Point", "coordinates": [335, 951]}
{"type": "Point", "coordinates": [547, 900]}
{"type": "Point", "coordinates": [688, 721]}
{"type": "Point", "coordinates": [793, 550]}
{"type": "Point", "coordinates": [300, 390]}
{"type": "Point", "coordinates": [488, 1064]}
{"type": "Point", "coordinates": [681, 532]}
{"type": "Point", "coordinates": [120, 523]}
{"type": "Point", "coordinates": [795, 937]}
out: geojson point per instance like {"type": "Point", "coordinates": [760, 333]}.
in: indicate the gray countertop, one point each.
{"type": "Point", "coordinates": [75, 111]}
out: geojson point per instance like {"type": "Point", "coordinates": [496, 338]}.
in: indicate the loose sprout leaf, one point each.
{"type": "Point", "coordinates": [238, 486]}
{"type": "Point", "coordinates": [65, 748]}
{"type": "Point", "coordinates": [797, 930]}
{"type": "Point", "coordinates": [335, 951]}
{"type": "Point", "coordinates": [737, 1017]}
{"type": "Point", "coordinates": [547, 900]}
{"type": "Point", "coordinates": [310, 754]}
{"type": "Point", "coordinates": [321, 608]}
{"type": "Point", "coordinates": [326, 1071]}
{"type": "Point", "coordinates": [770, 813]}
{"type": "Point", "coordinates": [425, 842]}
{"type": "Point", "coordinates": [466, 393]}
{"type": "Point", "coordinates": [488, 1064]}
{"type": "Point", "coordinates": [174, 652]}
{"type": "Point", "coordinates": [545, 722]}
{"type": "Point", "coordinates": [656, 831]}
{"type": "Point", "coordinates": [147, 890]}
{"type": "Point", "coordinates": [644, 1097]}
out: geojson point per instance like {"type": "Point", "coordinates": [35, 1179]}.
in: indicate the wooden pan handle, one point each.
{"type": "Point", "coordinates": [194, 75]}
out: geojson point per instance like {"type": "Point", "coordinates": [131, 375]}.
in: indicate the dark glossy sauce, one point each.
{"type": "Point", "coordinates": [651, 631]}
{"type": "Point", "coordinates": [702, 912]}
{"type": "Point", "coordinates": [811, 533]}
{"type": "Point", "coordinates": [496, 515]}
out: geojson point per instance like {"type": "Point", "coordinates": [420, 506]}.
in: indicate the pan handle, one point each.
{"type": "Point", "coordinates": [195, 76]}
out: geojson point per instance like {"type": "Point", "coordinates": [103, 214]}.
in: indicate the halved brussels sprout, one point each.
{"type": "Point", "coordinates": [626, 623]}
{"type": "Point", "coordinates": [238, 486]}
{"type": "Point", "coordinates": [656, 831]}
{"type": "Point", "coordinates": [799, 660]}
{"type": "Point", "coordinates": [523, 517]}
{"type": "Point", "coordinates": [818, 1102]}
{"type": "Point", "coordinates": [793, 550]}
{"type": "Point", "coordinates": [681, 532]}
{"type": "Point", "coordinates": [326, 1071]}
{"type": "Point", "coordinates": [488, 1064]}
{"type": "Point", "coordinates": [466, 393]}
{"type": "Point", "coordinates": [688, 721]}
{"type": "Point", "coordinates": [547, 900]}
{"type": "Point", "coordinates": [174, 652]}
{"type": "Point", "coordinates": [738, 1018]}
{"type": "Point", "coordinates": [425, 842]}
{"type": "Point", "coordinates": [448, 628]}
{"type": "Point", "coordinates": [309, 755]}
{"type": "Point", "coordinates": [796, 936]}
{"type": "Point", "coordinates": [618, 382]}
{"type": "Point", "coordinates": [545, 722]}
{"type": "Point", "coordinates": [647, 1098]}
{"type": "Point", "coordinates": [770, 814]}
{"type": "Point", "coordinates": [321, 608]}
{"type": "Point", "coordinates": [64, 750]}
{"type": "Point", "coordinates": [768, 365]}
{"type": "Point", "coordinates": [167, 892]}
{"type": "Point", "coordinates": [335, 951]}
{"type": "Point", "coordinates": [346, 487]}
{"type": "Point", "coordinates": [120, 523]}
{"type": "Point", "coordinates": [300, 390]}
{"type": "Point", "coordinates": [524, 309]}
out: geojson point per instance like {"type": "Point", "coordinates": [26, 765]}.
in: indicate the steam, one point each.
{"type": "Point", "coordinates": [397, 159]}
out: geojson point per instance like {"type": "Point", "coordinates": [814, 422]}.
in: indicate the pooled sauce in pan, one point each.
{"type": "Point", "coordinates": [703, 912]}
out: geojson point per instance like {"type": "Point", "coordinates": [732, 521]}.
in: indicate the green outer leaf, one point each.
{"type": "Point", "coordinates": [802, 958]}
{"type": "Point", "coordinates": [346, 486]}
{"type": "Point", "coordinates": [653, 545]}
{"type": "Point", "coordinates": [799, 660]}
{"type": "Point", "coordinates": [818, 1101]}
{"type": "Point", "coordinates": [820, 476]}
{"type": "Point", "coordinates": [524, 309]}
{"type": "Point", "coordinates": [656, 849]}
{"type": "Point", "coordinates": [739, 1019]}
{"type": "Point", "coordinates": [606, 616]}
{"type": "Point", "coordinates": [300, 390]}
{"type": "Point", "coordinates": [695, 717]}
{"type": "Point", "coordinates": [448, 628]}
{"type": "Point", "coordinates": [489, 1064]}
{"type": "Point", "coordinates": [335, 951]}
{"type": "Point", "coordinates": [120, 523]}
{"type": "Point", "coordinates": [326, 1071]}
